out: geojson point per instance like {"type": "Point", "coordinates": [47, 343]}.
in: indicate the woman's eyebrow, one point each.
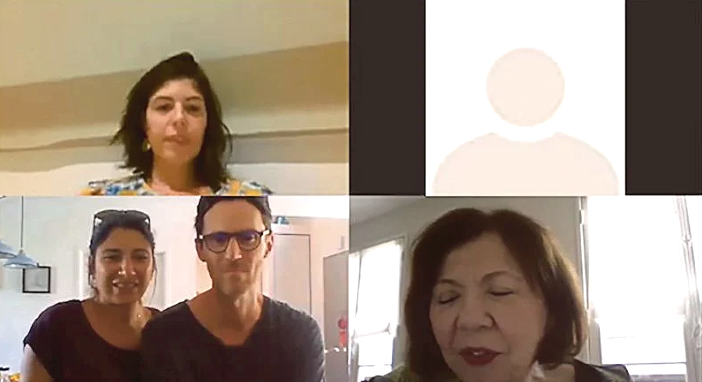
{"type": "Point", "coordinates": [493, 275]}
{"type": "Point", "coordinates": [169, 98]}
{"type": "Point", "coordinates": [449, 282]}
{"type": "Point", "coordinates": [486, 278]}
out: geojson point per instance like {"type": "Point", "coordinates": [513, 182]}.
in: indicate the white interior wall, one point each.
{"type": "Point", "coordinates": [561, 214]}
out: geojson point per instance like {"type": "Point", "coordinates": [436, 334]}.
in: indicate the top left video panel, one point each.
{"type": "Point", "coordinates": [193, 98]}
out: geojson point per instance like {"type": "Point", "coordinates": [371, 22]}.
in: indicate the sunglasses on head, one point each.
{"type": "Point", "coordinates": [248, 240]}
{"type": "Point", "coordinates": [107, 215]}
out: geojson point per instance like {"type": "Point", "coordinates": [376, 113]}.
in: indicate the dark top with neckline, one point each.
{"type": "Point", "coordinates": [583, 373]}
{"type": "Point", "coordinates": [284, 345]}
{"type": "Point", "coordinates": [600, 373]}
{"type": "Point", "coordinates": [71, 351]}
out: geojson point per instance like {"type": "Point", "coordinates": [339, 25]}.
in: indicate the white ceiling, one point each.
{"type": "Point", "coordinates": [318, 206]}
{"type": "Point", "coordinates": [48, 40]}
{"type": "Point", "coordinates": [364, 208]}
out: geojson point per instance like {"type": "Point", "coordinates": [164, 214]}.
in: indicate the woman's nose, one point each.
{"type": "Point", "coordinates": [474, 315]}
{"type": "Point", "coordinates": [127, 267]}
{"type": "Point", "coordinates": [179, 112]}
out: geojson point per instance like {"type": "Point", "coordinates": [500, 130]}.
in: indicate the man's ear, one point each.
{"type": "Point", "coordinates": [269, 245]}
{"type": "Point", "coordinates": [200, 250]}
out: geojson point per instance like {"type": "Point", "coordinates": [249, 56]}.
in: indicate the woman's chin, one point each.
{"type": "Point", "coordinates": [494, 371]}
{"type": "Point", "coordinates": [123, 301]}
{"type": "Point", "coordinates": [125, 298]}
{"type": "Point", "coordinates": [176, 158]}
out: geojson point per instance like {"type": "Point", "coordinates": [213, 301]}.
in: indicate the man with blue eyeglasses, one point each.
{"type": "Point", "coordinates": [232, 332]}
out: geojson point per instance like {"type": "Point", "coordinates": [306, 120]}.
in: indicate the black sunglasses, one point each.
{"type": "Point", "coordinates": [107, 215]}
{"type": "Point", "coordinates": [247, 240]}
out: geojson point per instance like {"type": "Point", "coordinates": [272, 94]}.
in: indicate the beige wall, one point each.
{"type": "Point", "coordinates": [124, 36]}
{"type": "Point", "coordinates": [288, 111]}
{"type": "Point", "coordinates": [303, 89]}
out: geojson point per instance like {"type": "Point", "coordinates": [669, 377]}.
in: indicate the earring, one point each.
{"type": "Point", "coordinates": [146, 146]}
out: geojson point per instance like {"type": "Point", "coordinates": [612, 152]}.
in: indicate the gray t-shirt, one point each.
{"type": "Point", "coordinates": [285, 345]}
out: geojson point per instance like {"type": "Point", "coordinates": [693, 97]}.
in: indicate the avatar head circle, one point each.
{"type": "Point", "coordinates": [525, 87]}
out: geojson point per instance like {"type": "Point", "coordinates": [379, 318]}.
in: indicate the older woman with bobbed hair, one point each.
{"type": "Point", "coordinates": [493, 299]}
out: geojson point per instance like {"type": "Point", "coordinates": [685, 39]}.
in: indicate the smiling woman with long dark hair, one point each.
{"type": "Point", "coordinates": [175, 141]}
{"type": "Point", "coordinates": [98, 339]}
{"type": "Point", "coordinates": [493, 299]}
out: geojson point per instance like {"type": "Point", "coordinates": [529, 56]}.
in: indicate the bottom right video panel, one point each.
{"type": "Point", "coordinates": [506, 289]}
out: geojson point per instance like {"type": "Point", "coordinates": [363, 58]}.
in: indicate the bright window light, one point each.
{"type": "Point", "coordinates": [637, 284]}
{"type": "Point", "coordinates": [375, 298]}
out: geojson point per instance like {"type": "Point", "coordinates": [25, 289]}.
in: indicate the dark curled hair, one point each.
{"type": "Point", "coordinates": [207, 202]}
{"type": "Point", "coordinates": [210, 164]}
{"type": "Point", "coordinates": [102, 230]}
{"type": "Point", "coordinates": [537, 254]}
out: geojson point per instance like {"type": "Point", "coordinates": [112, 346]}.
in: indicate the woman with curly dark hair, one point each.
{"type": "Point", "coordinates": [493, 299]}
{"type": "Point", "coordinates": [175, 141]}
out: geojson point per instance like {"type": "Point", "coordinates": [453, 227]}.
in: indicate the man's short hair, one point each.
{"type": "Point", "coordinates": [207, 202]}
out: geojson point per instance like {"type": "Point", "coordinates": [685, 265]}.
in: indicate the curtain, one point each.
{"type": "Point", "coordinates": [690, 213]}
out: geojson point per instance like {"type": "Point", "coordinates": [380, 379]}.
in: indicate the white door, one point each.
{"type": "Point", "coordinates": [286, 275]}
{"type": "Point", "coordinates": [155, 295]}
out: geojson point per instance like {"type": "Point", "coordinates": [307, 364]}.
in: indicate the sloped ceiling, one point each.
{"type": "Point", "coordinates": [48, 40]}
{"type": "Point", "coordinates": [299, 89]}
{"type": "Point", "coordinates": [364, 208]}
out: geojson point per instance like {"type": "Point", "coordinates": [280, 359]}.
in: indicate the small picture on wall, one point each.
{"type": "Point", "coordinates": [36, 280]}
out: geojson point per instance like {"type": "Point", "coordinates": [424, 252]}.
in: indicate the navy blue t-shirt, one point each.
{"type": "Point", "coordinates": [285, 345]}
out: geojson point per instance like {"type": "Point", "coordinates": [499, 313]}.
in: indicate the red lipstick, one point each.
{"type": "Point", "coordinates": [478, 356]}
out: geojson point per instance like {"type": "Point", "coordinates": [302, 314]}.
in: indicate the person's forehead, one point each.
{"type": "Point", "coordinates": [233, 215]}
{"type": "Point", "coordinates": [125, 233]}
{"type": "Point", "coordinates": [484, 255]}
{"type": "Point", "coordinates": [186, 87]}
{"type": "Point", "coordinates": [124, 239]}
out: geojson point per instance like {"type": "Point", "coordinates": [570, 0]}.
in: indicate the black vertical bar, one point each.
{"type": "Point", "coordinates": [664, 97]}
{"type": "Point", "coordinates": [387, 97]}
